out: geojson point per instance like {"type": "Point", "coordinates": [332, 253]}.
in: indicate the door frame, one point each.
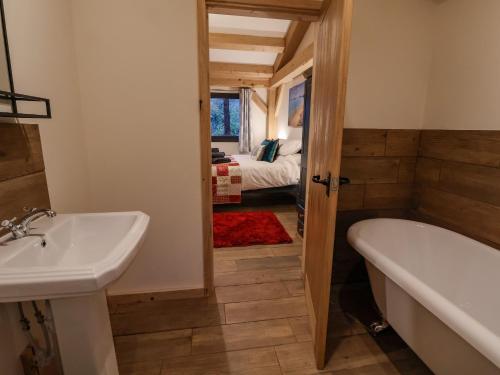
{"type": "Point", "coordinates": [278, 10]}
{"type": "Point", "coordinates": [204, 7]}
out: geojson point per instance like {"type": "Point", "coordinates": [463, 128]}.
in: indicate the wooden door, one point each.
{"type": "Point", "coordinates": [331, 59]}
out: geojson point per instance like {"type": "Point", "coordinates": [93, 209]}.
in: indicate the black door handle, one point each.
{"type": "Point", "coordinates": [326, 181]}
{"type": "Point", "coordinates": [317, 180]}
{"type": "Point", "coordinates": [344, 180]}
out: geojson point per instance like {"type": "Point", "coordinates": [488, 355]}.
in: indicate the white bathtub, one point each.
{"type": "Point", "coordinates": [438, 289]}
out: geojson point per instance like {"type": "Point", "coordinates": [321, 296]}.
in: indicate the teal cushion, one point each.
{"type": "Point", "coordinates": [271, 150]}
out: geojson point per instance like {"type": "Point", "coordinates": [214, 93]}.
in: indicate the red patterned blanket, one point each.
{"type": "Point", "coordinates": [226, 183]}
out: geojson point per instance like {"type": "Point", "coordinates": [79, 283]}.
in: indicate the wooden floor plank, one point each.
{"type": "Point", "coordinates": [257, 276]}
{"type": "Point", "coordinates": [265, 310]}
{"type": "Point", "coordinates": [238, 362]}
{"type": "Point", "coordinates": [165, 315]}
{"type": "Point", "coordinates": [267, 314]}
{"type": "Point", "coordinates": [153, 346]}
{"type": "Point", "coordinates": [295, 287]}
{"type": "Point", "coordinates": [141, 368]}
{"type": "Point", "coordinates": [268, 263]}
{"type": "Point", "coordinates": [251, 292]}
{"type": "Point", "coordinates": [242, 336]}
{"type": "Point", "coordinates": [242, 253]}
{"type": "Point", "coordinates": [301, 327]}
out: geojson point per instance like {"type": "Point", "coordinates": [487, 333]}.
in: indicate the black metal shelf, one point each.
{"type": "Point", "coordinates": [14, 98]}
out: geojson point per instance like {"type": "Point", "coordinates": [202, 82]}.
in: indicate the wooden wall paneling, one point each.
{"type": "Point", "coordinates": [364, 142]}
{"type": "Point", "coordinates": [386, 196]}
{"type": "Point", "coordinates": [303, 10]}
{"type": "Point", "coordinates": [25, 191]}
{"type": "Point", "coordinates": [246, 42]}
{"type": "Point", "coordinates": [20, 150]}
{"type": "Point", "coordinates": [364, 170]}
{"type": "Point", "coordinates": [402, 142]}
{"type": "Point", "coordinates": [22, 172]}
{"type": "Point", "coordinates": [471, 217]}
{"type": "Point", "coordinates": [351, 197]}
{"type": "Point", "coordinates": [471, 181]}
{"type": "Point", "coordinates": [428, 170]}
{"type": "Point", "coordinates": [407, 169]}
{"type": "Point", "coordinates": [466, 146]}
{"type": "Point", "coordinates": [205, 145]}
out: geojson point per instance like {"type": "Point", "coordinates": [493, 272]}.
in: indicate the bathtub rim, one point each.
{"type": "Point", "coordinates": [475, 333]}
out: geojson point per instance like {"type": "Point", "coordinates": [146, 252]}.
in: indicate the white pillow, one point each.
{"type": "Point", "coordinates": [290, 147]}
{"type": "Point", "coordinates": [257, 152]}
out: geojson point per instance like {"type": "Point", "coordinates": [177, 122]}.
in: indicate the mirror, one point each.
{"type": "Point", "coordinates": [10, 101]}
{"type": "Point", "coordinates": [6, 105]}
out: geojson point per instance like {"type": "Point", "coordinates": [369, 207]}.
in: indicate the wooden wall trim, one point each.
{"type": "Point", "coordinates": [205, 146]}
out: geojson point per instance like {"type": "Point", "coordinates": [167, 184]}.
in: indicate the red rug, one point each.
{"type": "Point", "coordinates": [233, 229]}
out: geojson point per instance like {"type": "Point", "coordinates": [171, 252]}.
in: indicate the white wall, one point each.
{"type": "Point", "coordinates": [390, 63]}
{"type": "Point", "coordinates": [464, 90]}
{"type": "Point", "coordinates": [43, 60]}
{"type": "Point", "coordinates": [137, 62]}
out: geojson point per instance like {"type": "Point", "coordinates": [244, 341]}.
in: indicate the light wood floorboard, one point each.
{"type": "Point", "coordinates": [256, 323]}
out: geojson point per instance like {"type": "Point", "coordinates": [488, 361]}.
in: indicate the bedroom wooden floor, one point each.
{"type": "Point", "coordinates": [255, 325]}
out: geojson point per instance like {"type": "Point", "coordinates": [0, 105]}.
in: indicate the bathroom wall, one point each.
{"type": "Point", "coordinates": [390, 63]}
{"type": "Point", "coordinates": [43, 62]}
{"type": "Point", "coordinates": [458, 173]}
{"type": "Point", "coordinates": [140, 103]}
{"type": "Point", "coordinates": [464, 91]}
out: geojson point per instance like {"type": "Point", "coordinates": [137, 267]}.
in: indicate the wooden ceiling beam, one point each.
{"type": "Point", "coordinates": [279, 100]}
{"type": "Point", "coordinates": [300, 10]}
{"type": "Point", "coordinates": [231, 70]}
{"type": "Point", "coordinates": [246, 43]}
{"type": "Point", "coordinates": [302, 61]}
{"type": "Point", "coordinates": [259, 102]}
{"type": "Point", "coordinates": [293, 38]}
{"type": "Point", "coordinates": [238, 82]}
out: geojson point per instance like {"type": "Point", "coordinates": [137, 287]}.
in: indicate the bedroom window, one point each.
{"type": "Point", "coordinates": [225, 117]}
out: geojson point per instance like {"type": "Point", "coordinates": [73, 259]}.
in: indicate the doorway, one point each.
{"type": "Point", "coordinates": [330, 21]}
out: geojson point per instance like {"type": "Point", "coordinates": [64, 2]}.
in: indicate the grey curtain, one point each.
{"type": "Point", "coordinates": [245, 129]}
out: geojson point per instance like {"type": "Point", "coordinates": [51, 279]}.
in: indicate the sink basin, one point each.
{"type": "Point", "coordinates": [69, 255]}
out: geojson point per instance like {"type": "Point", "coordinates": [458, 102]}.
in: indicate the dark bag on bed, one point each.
{"type": "Point", "coordinates": [217, 155]}
{"type": "Point", "coordinates": [221, 160]}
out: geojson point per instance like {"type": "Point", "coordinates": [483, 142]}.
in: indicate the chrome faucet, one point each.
{"type": "Point", "coordinates": [23, 228]}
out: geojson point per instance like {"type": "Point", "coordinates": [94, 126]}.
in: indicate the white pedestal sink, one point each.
{"type": "Point", "coordinates": [69, 260]}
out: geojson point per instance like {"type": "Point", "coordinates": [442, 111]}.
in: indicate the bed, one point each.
{"type": "Point", "coordinates": [245, 175]}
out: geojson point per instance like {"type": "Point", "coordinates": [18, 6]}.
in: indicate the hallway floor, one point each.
{"type": "Point", "coordinates": [256, 324]}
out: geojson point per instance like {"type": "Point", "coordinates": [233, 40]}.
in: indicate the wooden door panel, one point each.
{"type": "Point", "coordinates": [331, 58]}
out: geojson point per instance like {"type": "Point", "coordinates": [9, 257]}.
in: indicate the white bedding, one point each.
{"type": "Point", "coordinates": [284, 171]}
